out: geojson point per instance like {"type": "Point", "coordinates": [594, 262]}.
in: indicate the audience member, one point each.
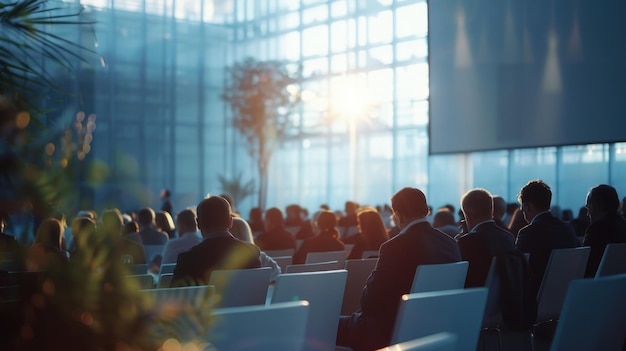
{"type": "Point", "coordinates": [163, 221]}
{"type": "Point", "coordinates": [581, 223]}
{"type": "Point", "coordinates": [83, 231]}
{"type": "Point", "coordinates": [606, 227]}
{"type": "Point", "coordinates": [372, 228]}
{"type": "Point", "coordinates": [293, 216]}
{"type": "Point", "coordinates": [444, 221]}
{"type": "Point", "coordinates": [326, 240]}
{"type": "Point", "coordinates": [545, 231]}
{"type": "Point", "coordinates": [189, 236]}
{"type": "Point", "coordinates": [276, 236]}
{"type": "Point", "coordinates": [46, 252]}
{"type": "Point", "coordinates": [349, 219]}
{"type": "Point", "coordinates": [518, 221]}
{"type": "Point", "coordinates": [255, 220]}
{"type": "Point", "coordinates": [417, 243]}
{"type": "Point", "coordinates": [499, 210]}
{"type": "Point", "coordinates": [130, 231]}
{"type": "Point", "coordinates": [110, 231]}
{"type": "Point", "coordinates": [485, 240]}
{"type": "Point", "coordinates": [242, 231]}
{"type": "Point", "coordinates": [218, 249]}
{"type": "Point", "coordinates": [149, 235]}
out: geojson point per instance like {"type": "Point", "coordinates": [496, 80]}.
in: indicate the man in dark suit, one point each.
{"type": "Point", "coordinates": [485, 239]}
{"type": "Point", "coordinates": [545, 231]}
{"type": "Point", "coordinates": [606, 227]}
{"type": "Point", "coordinates": [417, 243]}
{"type": "Point", "coordinates": [218, 249]}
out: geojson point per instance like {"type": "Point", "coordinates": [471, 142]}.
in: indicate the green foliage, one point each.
{"type": "Point", "coordinates": [236, 187]}
{"type": "Point", "coordinates": [262, 96]}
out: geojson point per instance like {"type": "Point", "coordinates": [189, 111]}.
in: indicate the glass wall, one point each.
{"type": "Point", "coordinates": [361, 134]}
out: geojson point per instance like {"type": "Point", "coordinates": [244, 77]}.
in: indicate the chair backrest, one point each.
{"type": "Point", "coordinates": [613, 260]}
{"type": "Point", "coordinates": [317, 257]}
{"type": "Point", "coordinates": [348, 249]}
{"type": "Point", "coordinates": [456, 311]}
{"type": "Point", "coordinates": [369, 254]}
{"type": "Point", "coordinates": [358, 271]}
{"type": "Point", "coordinates": [437, 342]}
{"type": "Point", "coordinates": [279, 253]}
{"type": "Point", "coordinates": [144, 281]}
{"type": "Point", "coordinates": [493, 312]}
{"type": "Point", "coordinates": [314, 267]}
{"type": "Point", "coordinates": [167, 268]}
{"type": "Point", "coordinates": [241, 287]}
{"type": "Point", "coordinates": [563, 266]}
{"type": "Point", "coordinates": [137, 268]}
{"type": "Point", "coordinates": [283, 262]}
{"type": "Point", "coordinates": [445, 276]}
{"type": "Point", "coordinates": [196, 296]}
{"type": "Point", "coordinates": [279, 327]}
{"type": "Point", "coordinates": [165, 280]}
{"type": "Point", "coordinates": [324, 291]}
{"type": "Point", "coordinates": [593, 315]}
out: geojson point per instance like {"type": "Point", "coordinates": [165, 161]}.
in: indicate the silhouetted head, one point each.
{"type": "Point", "coordinates": [186, 221]}
{"type": "Point", "coordinates": [241, 230]}
{"type": "Point", "coordinates": [214, 214]}
{"type": "Point", "coordinates": [443, 217]}
{"type": "Point", "coordinates": [408, 204]}
{"type": "Point", "coordinates": [535, 197]}
{"type": "Point", "coordinates": [477, 206]}
{"type": "Point", "coordinates": [163, 221]}
{"type": "Point", "coordinates": [499, 207]}
{"type": "Point", "coordinates": [327, 224]}
{"type": "Point", "coordinates": [145, 218]}
{"type": "Point", "coordinates": [274, 219]}
{"type": "Point", "coordinates": [112, 222]}
{"type": "Point", "coordinates": [50, 233]}
{"type": "Point", "coordinates": [601, 201]}
{"type": "Point", "coordinates": [371, 225]}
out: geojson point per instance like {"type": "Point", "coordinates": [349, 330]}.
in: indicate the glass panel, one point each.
{"type": "Point", "coordinates": [412, 20]}
{"type": "Point", "coordinates": [381, 27]}
{"type": "Point", "coordinates": [315, 41]}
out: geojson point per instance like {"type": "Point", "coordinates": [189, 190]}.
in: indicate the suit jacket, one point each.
{"type": "Point", "coordinates": [479, 246]}
{"type": "Point", "coordinates": [278, 239]}
{"type": "Point", "coordinates": [539, 238]}
{"type": "Point", "coordinates": [610, 229]}
{"type": "Point", "coordinates": [150, 236]}
{"type": "Point", "coordinates": [319, 243]}
{"type": "Point", "coordinates": [393, 276]}
{"type": "Point", "coordinates": [219, 250]}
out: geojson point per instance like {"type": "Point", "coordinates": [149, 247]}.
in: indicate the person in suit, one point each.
{"type": "Point", "coordinates": [276, 236]}
{"type": "Point", "coordinates": [167, 205]}
{"type": "Point", "coordinates": [189, 236]}
{"type": "Point", "coordinates": [417, 243]}
{"type": "Point", "coordinates": [545, 231]}
{"type": "Point", "coordinates": [218, 249]}
{"type": "Point", "coordinates": [485, 240]}
{"type": "Point", "coordinates": [606, 227]}
{"type": "Point", "coordinates": [326, 240]}
{"type": "Point", "coordinates": [149, 235]}
{"type": "Point", "coordinates": [499, 210]}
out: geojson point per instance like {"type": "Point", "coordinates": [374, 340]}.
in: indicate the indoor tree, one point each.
{"type": "Point", "coordinates": [262, 96]}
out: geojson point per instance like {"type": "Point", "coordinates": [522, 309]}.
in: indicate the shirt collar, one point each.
{"type": "Point", "coordinates": [474, 228]}
{"type": "Point", "coordinates": [220, 234]}
{"type": "Point", "coordinates": [412, 223]}
{"type": "Point", "coordinates": [537, 216]}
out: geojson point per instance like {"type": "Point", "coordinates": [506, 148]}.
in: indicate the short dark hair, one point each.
{"type": "Point", "coordinates": [187, 217]}
{"type": "Point", "coordinates": [275, 216]}
{"type": "Point", "coordinates": [145, 216]}
{"type": "Point", "coordinates": [410, 203]}
{"type": "Point", "coordinates": [214, 213]}
{"type": "Point", "coordinates": [604, 197]}
{"type": "Point", "coordinates": [537, 193]}
{"type": "Point", "coordinates": [477, 202]}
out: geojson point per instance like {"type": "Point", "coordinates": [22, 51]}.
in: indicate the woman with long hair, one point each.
{"type": "Point", "coordinates": [326, 240]}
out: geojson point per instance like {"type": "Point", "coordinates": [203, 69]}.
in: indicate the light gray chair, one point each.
{"type": "Point", "coordinates": [165, 280]}
{"type": "Point", "coordinates": [326, 256]}
{"type": "Point", "coordinates": [563, 266]}
{"type": "Point", "coordinates": [314, 267]}
{"type": "Point", "coordinates": [138, 268]}
{"type": "Point", "coordinates": [445, 276]}
{"type": "Point", "coordinates": [593, 314]}
{"type": "Point", "coordinates": [457, 311]}
{"type": "Point", "coordinates": [283, 262]}
{"type": "Point", "coordinates": [144, 281]}
{"type": "Point", "coordinates": [358, 271]}
{"type": "Point", "coordinates": [167, 268]}
{"type": "Point", "coordinates": [436, 342]}
{"type": "Point", "coordinates": [613, 260]}
{"type": "Point", "coordinates": [279, 327]}
{"type": "Point", "coordinates": [240, 287]}
{"type": "Point", "coordinates": [324, 292]}
{"type": "Point", "coordinates": [370, 254]}
{"type": "Point", "coordinates": [280, 253]}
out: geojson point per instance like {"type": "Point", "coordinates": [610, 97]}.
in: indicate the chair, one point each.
{"type": "Point", "coordinates": [241, 287]}
{"type": "Point", "coordinates": [324, 291]}
{"type": "Point", "coordinates": [613, 260]}
{"type": "Point", "coordinates": [358, 271]}
{"type": "Point", "coordinates": [144, 281]}
{"type": "Point", "coordinates": [279, 253]}
{"type": "Point", "coordinates": [152, 251]}
{"type": "Point", "coordinates": [196, 296]}
{"type": "Point", "coordinates": [313, 267]}
{"type": "Point", "coordinates": [348, 249]}
{"type": "Point", "coordinates": [279, 327]}
{"type": "Point", "coordinates": [492, 318]}
{"type": "Point", "coordinates": [317, 257]}
{"type": "Point", "coordinates": [457, 311]}
{"type": "Point", "coordinates": [165, 280]}
{"type": "Point", "coordinates": [167, 268]}
{"type": "Point", "coordinates": [283, 262]}
{"type": "Point", "coordinates": [138, 268]}
{"type": "Point", "coordinates": [563, 266]}
{"type": "Point", "coordinates": [436, 342]}
{"type": "Point", "coordinates": [370, 254]}
{"type": "Point", "coordinates": [592, 316]}
{"type": "Point", "coordinates": [445, 276]}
